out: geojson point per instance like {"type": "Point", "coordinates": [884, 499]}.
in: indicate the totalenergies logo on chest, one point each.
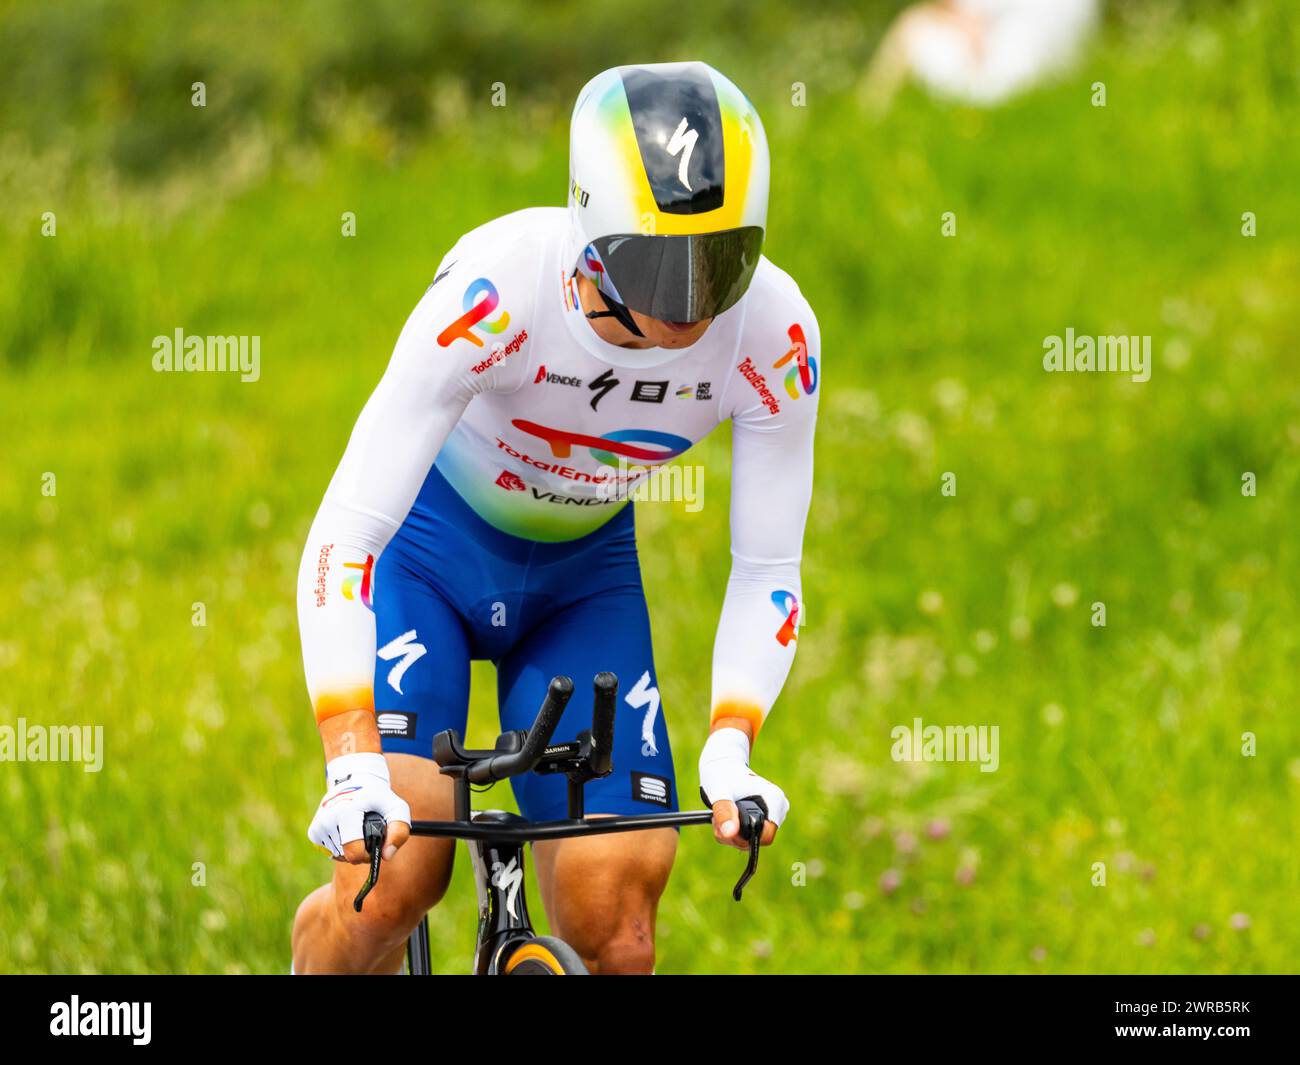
{"type": "Point", "coordinates": [476, 312]}
{"type": "Point", "coordinates": [639, 445]}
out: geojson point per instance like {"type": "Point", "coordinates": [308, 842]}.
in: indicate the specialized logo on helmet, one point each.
{"type": "Point", "coordinates": [476, 311]}
{"type": "Point", "coordinates": [683, 138]}
{"type": "Point", "coordinates": [788, 605]}
{"type": "Point", "coordinates": [641, 445]}
{"type": "Point", "coordinates": [804, 370]}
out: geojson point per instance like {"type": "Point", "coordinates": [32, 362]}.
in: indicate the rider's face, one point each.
{"type": "Point", "coordinates": [670, 334]}
{"type": "Point", "coordinates": [658, 333]}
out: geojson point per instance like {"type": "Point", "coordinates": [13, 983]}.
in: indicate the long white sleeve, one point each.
{"type": "Point", "coordinates": [771, 486]}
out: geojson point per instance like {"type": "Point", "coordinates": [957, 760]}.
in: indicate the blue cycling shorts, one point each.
{"type": "Point", "coordinates": [450, 587]}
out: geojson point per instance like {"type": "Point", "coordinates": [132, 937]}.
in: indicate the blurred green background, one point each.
{"type": "Point", "coordinates": [1119, 744]}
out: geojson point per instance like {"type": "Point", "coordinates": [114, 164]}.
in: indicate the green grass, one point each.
{"type": "Point", "coordinates": [1119, 744]}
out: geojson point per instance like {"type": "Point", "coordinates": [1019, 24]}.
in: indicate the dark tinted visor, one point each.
{"type": "Point", "coordinates": [681, 278]}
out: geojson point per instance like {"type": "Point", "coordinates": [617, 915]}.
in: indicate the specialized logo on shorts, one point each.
{"type": "Point", "coordinates": [407, 651]}
{"type": "Point", "coordinates": [399, 723]}
{"type": "Point", "coordinates": [476, 311]}
{"type": "Point", "coordinates": [645, 694]}
{"type": "Point", "coordinates": [788, 605]}
{"type": "Point", "coordinates": [643, 445]}
{"type": "Point", "coordinates": [358, 583]}
{"type": "Point", "coordinates": [803, 374]}
{"type": "Point", "coordinates": [511, 482]}
{"type": "Point", "coordinates": [646, 787]}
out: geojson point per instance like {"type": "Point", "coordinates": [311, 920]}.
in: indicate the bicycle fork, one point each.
{"type": "Point", "coordinates": [502, 910]}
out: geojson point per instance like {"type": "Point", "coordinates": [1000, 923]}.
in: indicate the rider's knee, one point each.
{"type": "Point", "coordinates": [393, 909]}
{"type": "Point", "coordinates": [629, 951]}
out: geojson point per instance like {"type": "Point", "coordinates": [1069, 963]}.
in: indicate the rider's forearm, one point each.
{"type": "Point", "coordinates": [755, 644]}
{"type": "Point", "coordinates": [354, 732]}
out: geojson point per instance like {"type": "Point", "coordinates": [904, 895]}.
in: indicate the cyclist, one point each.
{"type": "Point", "coordinates": [480, 512]}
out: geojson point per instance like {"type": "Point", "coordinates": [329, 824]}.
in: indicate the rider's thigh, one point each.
{"type": "Point", "coordinates": [602, 894]}
{"type": "Point", "coordinates": [417, 876]}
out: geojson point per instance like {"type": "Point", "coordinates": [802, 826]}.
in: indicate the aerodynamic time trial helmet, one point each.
{"type": "Point", "coordinates": [668, 179]}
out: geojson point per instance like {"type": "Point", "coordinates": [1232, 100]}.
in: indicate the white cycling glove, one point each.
{"type": "Point", "coordinates": [358, 785]}
{"type": "Point", "coordinates": [725, 774]}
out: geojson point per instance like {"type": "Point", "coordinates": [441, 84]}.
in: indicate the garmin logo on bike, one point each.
{"type": "Point", "coordinates": [646, 787]}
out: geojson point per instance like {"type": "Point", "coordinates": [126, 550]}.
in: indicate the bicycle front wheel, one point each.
{"type": "Point", "coordinates": [544, 956]}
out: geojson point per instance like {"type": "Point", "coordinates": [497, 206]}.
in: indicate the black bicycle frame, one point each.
{"type": "Point", "coordinates": [496, 839]}
{"type": "Point", "coordinates": [496, 848]}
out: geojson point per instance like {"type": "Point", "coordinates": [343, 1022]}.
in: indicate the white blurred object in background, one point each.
{"type": "Point", "coordinates": [979, 51]}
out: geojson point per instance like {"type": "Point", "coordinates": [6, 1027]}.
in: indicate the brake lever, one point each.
{"type": "Point", "coordinates": [372, 831]}
{"type": "Point", "coordinates": [752, 812]}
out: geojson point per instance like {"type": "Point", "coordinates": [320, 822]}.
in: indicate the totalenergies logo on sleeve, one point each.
{"type": "Point", "coordinates": [788, 604]}
{"type": "Point", "coordinates": [476, 311]}
{"type": "Point", "coordinates": [357, 584]}
{"type": "Point", "coordinates": [803, 374]}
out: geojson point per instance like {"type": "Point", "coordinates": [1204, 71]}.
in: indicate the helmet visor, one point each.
{"type": "Point", "coordinates": [681, 278]}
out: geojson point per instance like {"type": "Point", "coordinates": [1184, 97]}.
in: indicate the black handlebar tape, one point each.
{"type": "Point", "coordinates": [548, 717]}
{"type": "Point", "coordinates": [602, 722]}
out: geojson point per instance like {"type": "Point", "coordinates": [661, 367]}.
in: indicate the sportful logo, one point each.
{"type": "Point", "coordinates": [788, 605]}
{"type": "Point", "coordinates": [352, 580]}
{"type": "Point", "coordinates": [643, 445]}
{"type": "Point", "coordinates": [804, 370]}
{"type": "Point", "coordinates": [475, 313]}
{"type": "Point", "coordinates": [683, 138]}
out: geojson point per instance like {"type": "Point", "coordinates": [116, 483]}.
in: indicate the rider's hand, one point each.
{"type": "Point", "coordinates": [358, 784]}
{"type": "Point", "coordinates": [725, 776]}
